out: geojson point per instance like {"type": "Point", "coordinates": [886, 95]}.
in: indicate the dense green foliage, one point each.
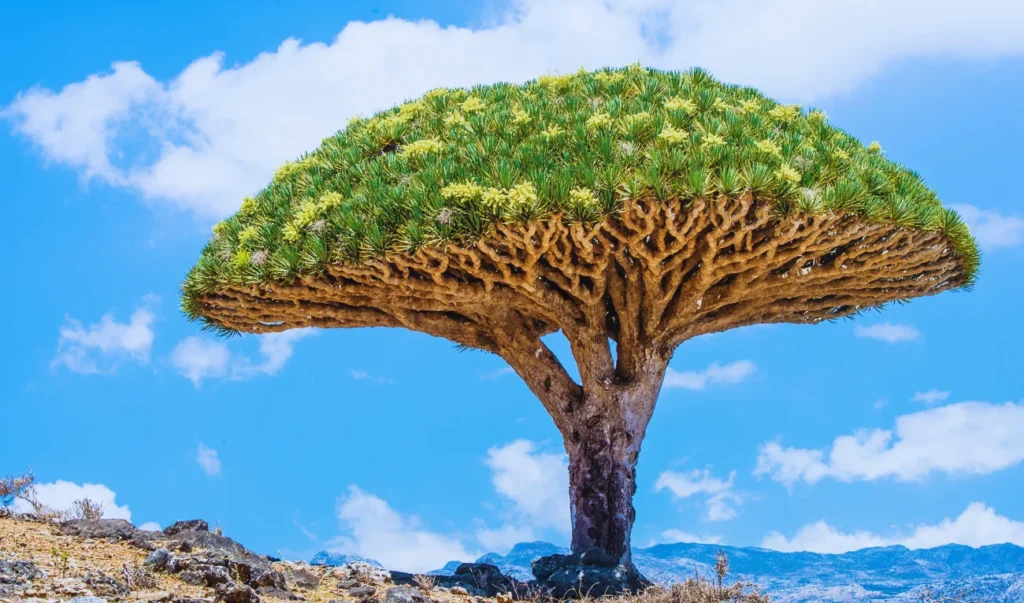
{"type": "Point", "coordinates": [449, 165]}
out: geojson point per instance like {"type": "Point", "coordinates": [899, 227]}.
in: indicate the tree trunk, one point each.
{"type": "Point", "coordinates": [603, 443]}
{"type": "Point", "coordinates": [602, 481]}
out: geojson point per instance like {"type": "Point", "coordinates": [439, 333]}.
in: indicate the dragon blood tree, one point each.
{"type": "Point", "coordinates": [632, 205]}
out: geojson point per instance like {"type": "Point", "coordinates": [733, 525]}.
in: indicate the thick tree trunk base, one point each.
{"type": "Point", "coordinates": [577, 576]}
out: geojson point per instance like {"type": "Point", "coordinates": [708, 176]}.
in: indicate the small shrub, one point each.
{"type": "Point", "coordinates": [61, 559]}
{"type": "Point", "coordinates": [85, 508]}
{"type": "Point", "coordinates": [137, 577]}
{"type": "Point", "coordinates": [424, 582]}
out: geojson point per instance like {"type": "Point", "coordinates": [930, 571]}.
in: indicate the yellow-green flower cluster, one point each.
{"type": "Point", "coordinates": [680, 104]}
{"type": "Point", "coordinates": [789, 173]}
{"type": "Point", "coordinates": [598, 121]}
{"type": "Point", "coordinates": [785, 113]}
{"type": "Point", "coordinates": [420, 148]}
{"type": "Point", "coordinates": [553, 131]}
{"type": "Point", "coordinates": [519, 116]}
{"type": "Point", "coordinates": [769, 147]}
{"type": "Point", "coordinates": [473, 105]}
{"type": "Point", "coordinates": [310, 211]}
{"type": "Point", "coordinates": [583, 196]}
{"type": "Point", "coordinates": [712, 140]}
{"type": "Point", "coordinates": [520, 194]}
{"type": "Point", "coordinates": [673, 135]}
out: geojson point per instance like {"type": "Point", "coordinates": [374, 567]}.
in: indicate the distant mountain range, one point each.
{"type": "Point", "coordinates": [338, 559]}
{"type": "Point", "coordinates": [994, 574]}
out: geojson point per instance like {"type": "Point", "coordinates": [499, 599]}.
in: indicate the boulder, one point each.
{"type": "Point", "coordinates": [233, 592]}
{"type": "Point", "coordinates": [405, 594]}
{"type": "Point", "coordinates": [159, 560]}
{"type": "Point", "coordinates": [591, 574]}
{"type": "Point", "coordinates": [297, 577]}
{"type": "Point", "coordinates": [105, 586]}
{"type": "Point", "coordinates": [110, 529]}
{"type": "Point", "coordinates": [361, 592]}
{"type": "Point", "coordinates": [188, 525]}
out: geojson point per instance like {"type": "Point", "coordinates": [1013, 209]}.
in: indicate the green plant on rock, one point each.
{"type": "Point", "coordinates": [630, 205]}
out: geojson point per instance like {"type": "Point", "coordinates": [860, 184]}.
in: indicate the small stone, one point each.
{"type": "Point", "coordinates": [71, 586]}
{"type": "Point", "coordinates": [88, 600]}
{"type": "Point", "coordinates": [458, 590]}
{"type": "Point", "coordinates": [404, 594]}
{"type": "Point", "coordinates": [192, 577]}
{"type": "Point", "coordinates": [236, 593]}
{"type": "Point", "coordinates": [361, 591]}
{"type": "Point", "coordinates": [214, 574]}
{"type": "Point", "coordinates": [346, 583]}
{"type": "Point", "coordinates": [159, 560]}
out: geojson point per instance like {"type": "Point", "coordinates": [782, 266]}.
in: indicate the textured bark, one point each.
{"type": "Point", "coordinates": [603, 438]}
{"type": "Point", "coordinates": [650, 277]}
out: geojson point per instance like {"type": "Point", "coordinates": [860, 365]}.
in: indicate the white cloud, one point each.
{"type": "Point", "coordinates": [275, 350]}
{"type": "Point", "coordinates": [721, 498]}
{"type": "Point", "coordinates": [991, 228]}
{"type": "Point", "coordinates": [673, 536]}
{"type": "Point", "coordinates": [535, 482]}
{"type": "Point", "coordinates": [208, 459]}
{"type": "Point", "coordinates": [504, 538]}
{"type": "Point", "coordinates": [365, 376]}
{"type": "Point", "coordinates": [150, 526]}
{"type": "Point", "coordinates": [221, 128]}
{"type": "Point", "coordinates": [931, 396]}
{"type": "Point", "coordinates": [888, 332]}
{"type": "Point", "coordinates": [715, 374]}
{"type": "Point", "coordinates": [198, 358]}
{"type": "Point", "coordinates": [957, 439]}
{"type": "Point", "coordinates": [100, 347]}
{"type": "Point", "coordinates": [60, 495]}
{"type": "Point", "coordinates": [498, 374]}
{"type": "Point", "coordinates": [978, 525]}
{"type": "Point", "coordinates": [377, 531]}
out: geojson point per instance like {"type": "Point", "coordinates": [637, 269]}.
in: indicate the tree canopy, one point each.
{"type": "Point", "coordinates": [456, 166]}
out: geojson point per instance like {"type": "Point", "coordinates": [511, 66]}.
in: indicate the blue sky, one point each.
{"type": "Point", "coordinates": [127, 131]}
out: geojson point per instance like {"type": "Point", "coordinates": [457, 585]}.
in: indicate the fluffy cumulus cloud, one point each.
{"type": "Point", "coordinates": [533, 481]}
{"type": "Point", "coordinates": [375, 530]}
{"type": "Point", "coordinates": [60, 495]}
{"type": "Point", "coordinates": [208, 460]}
{"type": "Point", "coordinates": [887, 332]}
{"type": "Point", "coordinates": [198, 358]}
{"type": "Point", "coordinates": [956, 439]}
{"type": "Point", "coordinates": [715, 374]}
{"type": "Point", "coordinates": [221, 127]}
{"type": "Point", "coordinates": [720, 495]}
{"type": "Point", "coordinates": [992, 229]}
{"type": "Point", "coordinates": [102, 346]}
{"type": "Point", "coordinates": [978, 525]}
{"type": "Point", "coordinates": [150, 526]}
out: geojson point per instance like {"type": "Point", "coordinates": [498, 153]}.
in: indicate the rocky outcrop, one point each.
{"type": "Point", "coordinates": [590, 574]}
{"type": "Point", "coordinates": [109, 529]}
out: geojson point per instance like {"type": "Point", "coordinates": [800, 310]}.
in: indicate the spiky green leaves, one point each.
{"type": "Point", "coordinates": [455, 162]}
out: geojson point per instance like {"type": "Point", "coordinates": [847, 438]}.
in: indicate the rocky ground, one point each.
{"type": "Point", "coordinates": [94, 561]}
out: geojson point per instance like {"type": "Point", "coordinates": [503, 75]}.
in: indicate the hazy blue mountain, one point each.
{"type": "Point", "coordinates": [337, 559]}
{"type": "Point", "coordinates": [995, 573]}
